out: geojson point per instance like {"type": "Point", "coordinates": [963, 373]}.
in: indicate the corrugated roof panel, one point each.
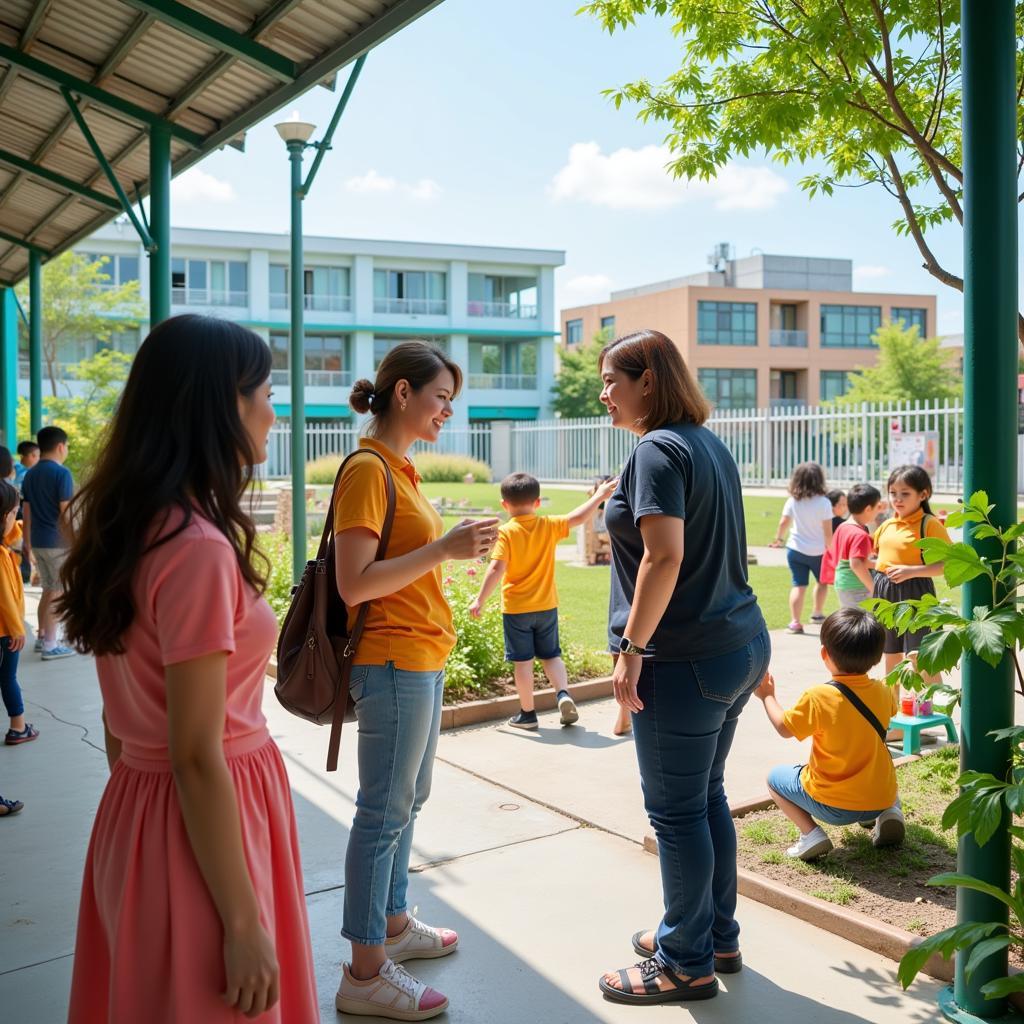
{"type": "Point", "coordinates": [86, 28]}
{"type": "Point", "coordinates": [23, 135]}
{"type": "Point", "coordinates": [167, 59]}
{"type": "Point", "coordinates": [231, 91]}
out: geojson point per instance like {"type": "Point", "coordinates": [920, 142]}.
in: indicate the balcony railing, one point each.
{"type": "Point", "coordinates": [321, 303]}
{"type": "Point", "coordinates": [208, 297]}
{"type": "Point", "coordinates": [430, 307]}
{"type": "Point", "coordinates": [788, 403]}
{"type": "Point", "coordinates": [779, 338]}
{"type": "Point", "coordinates": [314, 378]}
{"type": "Point", "coordinates": [504, 381]}
{"type": "Point", "coordinates": [507, 310]}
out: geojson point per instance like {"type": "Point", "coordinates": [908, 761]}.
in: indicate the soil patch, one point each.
{"type": "Point", "coordinates": [890, 884]}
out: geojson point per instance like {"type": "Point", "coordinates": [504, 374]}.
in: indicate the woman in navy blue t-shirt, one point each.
{"type": "Point", "coordinates": [691, 646]}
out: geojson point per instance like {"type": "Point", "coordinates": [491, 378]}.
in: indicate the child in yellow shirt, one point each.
{"type": "Point", "coordinates": [525, 557]}
{"type": "Point", "coordinates": [850, 776]}
{"type": "Point", "coordinates": [12, 620]}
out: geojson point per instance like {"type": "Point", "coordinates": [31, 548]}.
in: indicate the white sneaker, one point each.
{"type": "Point", "coordinates": [394, 994]}
{"type": "Point", "coordinates": [808, 847]}
{"type": "Point", "coordinates": [567, 709]}
{"type": "Point", "coordinates": [420, 942]}
{"type": "Point", "coordinates": [890, 828]}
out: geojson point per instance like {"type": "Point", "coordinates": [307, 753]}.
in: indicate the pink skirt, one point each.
{"type": "Point", "coordinates": [150, 942]}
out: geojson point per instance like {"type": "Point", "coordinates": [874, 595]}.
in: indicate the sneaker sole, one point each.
{"type": "Point", "coordinates": [815, 851]}
{"type": "Point", "coordinates": [425, 954]}
{"type": "Point", "coordinates": [20, 740]}
{"type": "Point", "coordinates": [890, 833]}
{"type": "Point", "coordinates": [528, 727]}
{"type": "Point", "coordinates": [363, 1007]}
{"type": "Point", "coordinates": [570, 716]}
{"type": "Point", "coordinates": [57, 657]}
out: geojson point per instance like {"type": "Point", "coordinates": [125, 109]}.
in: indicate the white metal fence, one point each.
{"type": "Point", "coordinates": [852, 444]}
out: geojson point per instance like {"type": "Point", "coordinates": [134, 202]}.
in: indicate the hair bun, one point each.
{"type": "Point", "coordinates": [361, 397]}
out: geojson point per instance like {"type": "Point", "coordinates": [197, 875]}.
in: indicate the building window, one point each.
{"type": "Point", "coordinates": [410, 291]}
{"type": "Point", "coordinates": [834, 384]}
{"type": "Point", "coordinates": [784, 387]}
{"type": "Point", "coordinates": [730, 389]}
{"type": "Point", "coordinates": [911, 317]}
{"type": "Point", "coordinates": [209, 282]}
{"type": "Point", "coordinates": [727, 323]}
{"type": "Point", "coordinates": [325, 289]}
{"type": "Point", "coordinates": [120, 269]}
{"type": "Point", "coordinates": [503, 365]}
{"type": "Point", "coordinates": [849, 326]}
{"type": "Point", "coordinates": [608, 327]}
{"type": "Point", "coordinates": [383, 345]}
{"type": "Point", "coordinates": [325, 357]}
{"type": "Point", "coordinates": [573, 332]}
{"type": "Point", "coordinates": [502, 295]}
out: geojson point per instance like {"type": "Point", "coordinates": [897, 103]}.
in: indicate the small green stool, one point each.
{"type": "Point", "coordinates": [912, 725]}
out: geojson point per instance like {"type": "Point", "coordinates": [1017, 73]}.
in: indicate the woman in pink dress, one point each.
{"type": "Point", "coordinates": [192, 905]}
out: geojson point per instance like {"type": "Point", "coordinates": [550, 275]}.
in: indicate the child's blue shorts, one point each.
{"type": "Point", "coordinates": [530, 635]}
{"type": "Point", "coordinates": [785, 780]}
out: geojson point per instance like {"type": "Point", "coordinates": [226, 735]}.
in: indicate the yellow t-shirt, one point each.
{"type": "Point", "coordinates": [895, 539]}
{"type": "Point", "coordinates": [527, 545]}
{"type": "Point", "coordinates": [850, 767]}
{"type": "Point", "coordinates": [413, 626]}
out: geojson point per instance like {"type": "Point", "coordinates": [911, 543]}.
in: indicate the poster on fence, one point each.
{"type": "Point", "coordinates": [917, 448]}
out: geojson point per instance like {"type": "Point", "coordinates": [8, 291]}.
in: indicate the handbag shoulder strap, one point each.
{"type": "Point", "coordinates": [341, 700]}
{"type": "Point", "coordinates": [868, 714]}
{"type": "Point", "coordinates": [924, 531]}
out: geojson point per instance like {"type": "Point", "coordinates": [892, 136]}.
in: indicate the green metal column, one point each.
{"type": "Point", "coordinates": [8, 367]}
{"type": "Point", "coordinates": [990, 424]}
{"type": "Point", "coordinates": [35, 342]}
{"type": "Point", "coordinates": [298, 368]}
{"type": "Point", "coordinates": [159, 224]}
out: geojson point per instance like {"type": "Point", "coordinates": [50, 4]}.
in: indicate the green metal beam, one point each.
{"type": "Point", "coordinates": [35, 342]}
{"type": "Point", "coordinates": [126, 204]}
{"type": "Point", "coordinates": [8, 367]}
{"type": "Point", "coordinates": [160, 224]}
{"type": "Point", "coordinates": [325, 142]}
{"type": "Point", "coordinates": [56, 76]}
{"type": "Point", "coordinates": [988, 43]}
{"type": "Point", "coordinates": [53, 178]}
{"type": "Point", "coordinates": [34, 23]}
{"type": "Point", "coordinates": [219, 36]}
{"type": "Point", "coordinates": [21, 243]}
{"type": "Point", "coordinates": [297, 356]}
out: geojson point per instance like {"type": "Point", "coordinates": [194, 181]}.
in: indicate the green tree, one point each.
{"type": "Point", "coordinates": [79, 303]}
{"type": "Point", "coordinates": [867, 89]}
{"type": "Point", "coordinates": [908, 368]}
{"type": "Point", "coordinates": [579, 382]}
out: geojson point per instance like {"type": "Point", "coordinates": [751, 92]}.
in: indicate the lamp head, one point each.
{"type": "Point", "coordinates": [295, 131]}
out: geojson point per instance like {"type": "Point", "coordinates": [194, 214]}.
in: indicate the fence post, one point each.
{"type": "Point", "coordinates": [766, 446]}
{"type": "Point", "coordinates": [501, 449]}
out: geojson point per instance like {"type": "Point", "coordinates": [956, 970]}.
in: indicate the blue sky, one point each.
{"type": "Point", "coordinates": [474, 125]}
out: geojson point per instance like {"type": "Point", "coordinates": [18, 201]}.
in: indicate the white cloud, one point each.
{"type": "Point", "coordinates": [638, 179]}
{"type": "Point", "coordinates": [870, 272]}
{"type": "Point", "coordinates": [372, 181]}
{"type": "Point", "coordinates": [195, 185]}
{"type": "Point", "coordinates": [584, 289]}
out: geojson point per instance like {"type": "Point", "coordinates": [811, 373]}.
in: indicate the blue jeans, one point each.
{"type": "Point", "coordinates": [683, 736]}
{"type": "Point", "coordinates": [785, 781]}
{"type": "Point", "coordinates": [9, 688]}
{"type": "Point", "coordinates": [399, 717]}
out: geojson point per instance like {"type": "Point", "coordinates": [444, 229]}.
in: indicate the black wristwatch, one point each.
{"type": "Point", "coordinates": [628, 647]}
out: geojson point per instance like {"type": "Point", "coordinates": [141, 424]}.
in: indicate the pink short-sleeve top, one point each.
{"type": "Point", "coordinates": [190, 600]}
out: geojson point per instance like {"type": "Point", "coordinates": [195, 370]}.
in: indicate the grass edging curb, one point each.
{"type": "Point", "coordinates": [876, 936]}
{"type": "Point", "coordinates": [454, 716]}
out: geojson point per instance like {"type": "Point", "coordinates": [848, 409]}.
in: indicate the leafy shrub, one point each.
{"type": "Point", "coordinates": [442, 468]}
{"type": "Point", "coordinates": [323, 470]}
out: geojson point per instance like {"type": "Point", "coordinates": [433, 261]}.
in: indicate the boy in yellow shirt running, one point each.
{"type": "Point", "coordinates": [524, 561]}
{"type": "Point", "coordinates": [850, 777]}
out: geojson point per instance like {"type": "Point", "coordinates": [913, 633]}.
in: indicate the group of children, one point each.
{"type": "Point", "coordinates": [840, 539]}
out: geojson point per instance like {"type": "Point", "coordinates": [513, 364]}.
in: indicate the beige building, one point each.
{"type": "Point", "coordinates": [779, 330]}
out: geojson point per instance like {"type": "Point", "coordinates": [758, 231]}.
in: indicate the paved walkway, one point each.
{"type": "Point", "coordinates": [529, 846]}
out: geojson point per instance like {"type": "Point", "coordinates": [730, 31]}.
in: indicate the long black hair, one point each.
{"type": "Point", "coordinates": [915, 477]}
{"type": "Point", "coordinates": [176, 442]}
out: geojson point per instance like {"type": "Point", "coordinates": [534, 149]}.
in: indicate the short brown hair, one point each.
{"type": "Point", "coordinates": [520, 488]}
{"type": "Point", "coordinates": [676, 396]}
{"type": "Point", "coordinates": [415, 361]}
{"type": "Point", "coordinates": [807, 481]}
{"type": "Point", "coordinates": [853, 639]}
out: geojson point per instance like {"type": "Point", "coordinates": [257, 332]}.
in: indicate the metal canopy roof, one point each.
{"type": "Point", "coordinates": [207, 68]}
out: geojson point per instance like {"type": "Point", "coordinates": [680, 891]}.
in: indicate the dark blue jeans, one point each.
{"type": "Point", "coordinates": [9, 688]}
{"type": "Point", "coordinates": [683, 736]}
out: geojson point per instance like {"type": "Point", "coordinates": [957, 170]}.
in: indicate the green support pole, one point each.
{"type": "Point", "coordinates": [990, 431]}
{"type": "Point", "coordinates": [298, 367]}
{"type": "Point", "coordinates": [35, 342]}
{"type": "Point", "coordinates": [159, 224]}
{"type": "Point", "coordinates": [9, 367]}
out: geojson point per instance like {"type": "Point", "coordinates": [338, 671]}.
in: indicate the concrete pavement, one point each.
{"type": "Point", "coordinates": [529, 846]}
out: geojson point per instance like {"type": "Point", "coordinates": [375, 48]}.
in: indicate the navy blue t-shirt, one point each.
{"type": "Point", "coordinates": [686, 472]}
{"type": "Point", "coordinates": [46, 485]}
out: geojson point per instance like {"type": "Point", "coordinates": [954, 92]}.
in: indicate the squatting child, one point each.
{"type": "Point", "coordinates": [523, 561]}
{"type": "Point", "coordinates": [850, 776]}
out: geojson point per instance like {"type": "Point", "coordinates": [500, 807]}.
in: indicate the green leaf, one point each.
{"type": "Point", "coordinates": [982, 950]}
{"type": "Point", "coordinates": [962, 563]}
{"type": "Point", "coordinates": [969, 882]}
{"type": "Point", "coordinates": [1003, 987]}
{"type": "Point", "coordinates": [983, 532]}
{"type": "Point", "coordinates": [986, 640]}
{"type": "Point", "coordinates": [939, 652]}
{"type": "Point", "coordinates": [978, 501]}
{"type": "Point", "coordinates": [944, 943]}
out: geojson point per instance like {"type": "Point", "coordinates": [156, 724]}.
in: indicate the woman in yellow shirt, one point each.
{"type": "Point", "coordinates": [398, 674]}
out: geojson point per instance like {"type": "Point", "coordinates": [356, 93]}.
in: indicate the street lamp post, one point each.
{"type": "Point", "coordinates": [296, 135]}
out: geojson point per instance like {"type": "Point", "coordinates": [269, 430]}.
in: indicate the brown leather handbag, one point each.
{"type": "Point", "coordinates": [315, 648]}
